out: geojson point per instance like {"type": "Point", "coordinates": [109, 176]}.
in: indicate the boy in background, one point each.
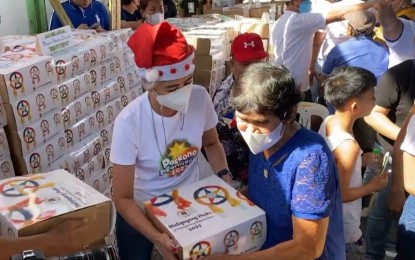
{"type": "Point", "coordinates": [351, 91]}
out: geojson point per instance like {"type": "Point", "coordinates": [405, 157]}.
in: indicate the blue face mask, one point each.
{"type": "Point", "coordinates": [305, 6]}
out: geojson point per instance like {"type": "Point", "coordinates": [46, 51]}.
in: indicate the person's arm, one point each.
{"type": "Point", "coordinates": [215, 152]}
{"type": "Point", "coordinates": [60, 240]}
{"type": "Point", "coordinates": [319, 37]}
{"type": "Point", "coordinates": [346, 156]}
{"type": "Point", "coordinates": [379, 121]}
{"type": "Point", "coordinates": [337, 12]}
{"type": "Point", "coordinates": [408, 171]}
{"type": "Point", "coordinates": [392, 26]}
{"type": "Point", "coordinates": [124, 152]}
{"type": "Point", "coordinates": [125, 204]}
{"type": "Point", "coordinates": [308, 243]}
{"type": "Point", "coordinates": [313, 196]}
{"type": "Point", "coordinates": [403, 175]}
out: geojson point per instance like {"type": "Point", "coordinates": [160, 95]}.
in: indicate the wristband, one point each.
{"type": "Point", "coordinates": [224, 172]}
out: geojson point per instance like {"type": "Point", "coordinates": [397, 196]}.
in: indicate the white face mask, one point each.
{"type": "Point", "coordinates": [258, 143]}
{"type": "Point", "coordinates": [155, 18]}
{"type": "Point", "coordinates": [177, 100]}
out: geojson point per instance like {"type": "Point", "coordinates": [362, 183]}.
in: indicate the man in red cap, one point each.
{"type": "Point", "coordinates": [158, 138]}
{"type": "Point", "coordinates": [246, 49]}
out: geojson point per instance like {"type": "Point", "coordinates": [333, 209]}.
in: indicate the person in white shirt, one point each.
{"type": "Point", "coordinates": [293, 35]}
{"type": "Point", "coordinates": [399, 33]}
{"type": "Point", "coordinates": [158, 137]}
{"type": "Point", "coordinates": [404, 156]}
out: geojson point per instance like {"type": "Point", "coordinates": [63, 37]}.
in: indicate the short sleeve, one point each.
{"type": "Point", "coordinates": [55, 23]}
{"type": "Point", "coordinates": [408, 144]}
{"type": "Point", "coordinates": [315, 188]}
{"type": "Point", "coordinates": [314, 21]}
{"type": "Point", "coordinates": [124, 148]}
{"type": "Point", "coordinates": [211, 118]}
{"type": "Point", "coordinates": [387, 91]}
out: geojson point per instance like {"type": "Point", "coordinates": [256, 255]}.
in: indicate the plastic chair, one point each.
{"type": "Point", "coordinates": [307, 112]}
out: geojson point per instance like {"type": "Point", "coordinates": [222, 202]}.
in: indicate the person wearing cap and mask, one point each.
{"type": "Point", "coordinates": [158, 138]}
{"type": "Point", "coordinates": [361, 50]}
{"type": "Point", "coordinates": [246, 49]}
{"type": "Point", "coordinates": [292, 173]}
{"type": "Point", "coordinates": [84, 14]}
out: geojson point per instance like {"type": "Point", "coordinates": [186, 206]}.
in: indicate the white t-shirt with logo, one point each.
{"type": "Point", "coordinates": [160, 167]}
{"type": "Point", "coordinates": [403, 48]}
{"type": "Point", "coordinates": [408, 144]}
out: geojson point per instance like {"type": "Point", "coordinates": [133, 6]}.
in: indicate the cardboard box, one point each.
{"type": "Point", "coordinates": [217, 10]}
{"type": "Point", "coordinates": [206, 44]}
{"type": "Point", "coordinates": [99, 181]}
{"type": "Point", "coordinates": [77, 110]}
{"type": "Point", "coordinates": [27, 110]}
{"type": "Point", "coordinates": [106, 135]}
{"type": "Point", "coordinates": [70, 62]}
{"type": "Point", "coordinates": [75, 87]}
{"type": "Point", "coordinates": [24, 73]}
{"type": "Point", "coordinates": [260, 28]}
{"type": "Point", "coordinates": [6, 169]}
{"type": "Point", "coordinates": [211, 80]}
{"type": "Point", "coordinates": [80, 131]}
{"type": "Point", "coordinates": [43, 157]}
{"type": "Point", "coordinates": [119, 38]}
{"type": "Point", "coordinates": [36, 134]}
{"type": "Point", "coordinates": [4, 145]}
{"type": "Point", "coordinates": [84, 152]}
{"type": "Point", "coordinates": [209, 217]}
{"type": "Point", "coordinates": [17, 42]}
{"type": "Point", "coordinates": [3, 116]}
{"type": "Point", "coordinates": [256, 12]}
{"type": "Point", "coordinates": [94, 166]}
{"type": "Point", "coordinates": [209, 62]}
{"type": "Point", "coordinates": [53, 198]}
{"type": "Point", "coordinates": [236, 11]}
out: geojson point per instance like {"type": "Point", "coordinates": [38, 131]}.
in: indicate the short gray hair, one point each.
{"type": "Point", "coordinates": [266, 88]}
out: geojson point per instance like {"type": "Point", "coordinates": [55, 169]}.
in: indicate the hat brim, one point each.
{"type": "Point", "coordinates": [251, 56]}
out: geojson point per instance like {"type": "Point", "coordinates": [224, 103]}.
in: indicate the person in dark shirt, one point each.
{"type": "Point", "coordinates": [84, 14]}
{"type": "Point", "coordinates": [130, 14]}
{"type": "Point", "coordinates": [170, 9]}
{"type": "Point", "coordinates": [189, 8]}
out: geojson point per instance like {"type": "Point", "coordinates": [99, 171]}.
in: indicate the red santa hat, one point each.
{"type": "Point", "coordinates": [161, 52]}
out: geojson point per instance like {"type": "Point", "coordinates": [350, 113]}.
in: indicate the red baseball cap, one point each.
{"type": "Point", "coordinates": [247, 47]}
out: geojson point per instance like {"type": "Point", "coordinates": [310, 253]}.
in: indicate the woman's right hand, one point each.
{"type": "Point", "coordinates": [379, 182]}
{"type": "Point", "coordinates": [167, 248]}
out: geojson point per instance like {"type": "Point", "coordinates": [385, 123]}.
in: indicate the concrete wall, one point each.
{"type": "Point", "coordinates": [14, 20]}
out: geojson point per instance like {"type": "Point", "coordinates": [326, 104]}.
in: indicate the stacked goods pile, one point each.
{"type": "Point", "coordinates": [61, 107]}
{"type": "Point", "coordinates": [6, 165]}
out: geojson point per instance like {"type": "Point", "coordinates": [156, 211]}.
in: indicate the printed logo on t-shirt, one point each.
{"type": "Point", "coordinates": [179, 154]}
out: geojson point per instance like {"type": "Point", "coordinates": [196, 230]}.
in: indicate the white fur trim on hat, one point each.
{"type": "Point", "coordinates": [169, 72]}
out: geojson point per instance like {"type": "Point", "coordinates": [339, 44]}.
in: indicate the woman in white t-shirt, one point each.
{"type": "Point", "coordinates": [406, 230]}
{"type": "Point", "coordinates": [158, 138]}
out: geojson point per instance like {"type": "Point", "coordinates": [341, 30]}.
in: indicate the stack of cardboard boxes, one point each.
{"type": "Point", "coordinates": [61, 108]}
{"type": "Point", "coordinates": [6, 165]}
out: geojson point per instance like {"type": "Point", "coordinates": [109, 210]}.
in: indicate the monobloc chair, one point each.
{"type": "Point", "coordinates": [311, 115]}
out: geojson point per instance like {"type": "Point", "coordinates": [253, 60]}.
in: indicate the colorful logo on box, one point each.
{"type": "Point", "coordinates": [179, 154]}
{"type": "Point", "coordinates": [201, 249]}
{"type": "Point", "coordinates": [153, 204]}
{"type": "Point", "coordinates": [214, 195]}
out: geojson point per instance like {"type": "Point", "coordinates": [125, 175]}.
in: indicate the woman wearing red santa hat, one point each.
{"type": "Point", "coordinates": [158, 137]}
